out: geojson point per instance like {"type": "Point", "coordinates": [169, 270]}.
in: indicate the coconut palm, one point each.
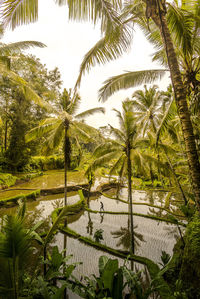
{"type": "Point", "coordinates": [62, 126]}
{"type": "Point", "coordinates": [122, 151]}
{"type": "Point", "coordinates": [183, 22]}
{"type": "Point", "coordinates": [156, 11]}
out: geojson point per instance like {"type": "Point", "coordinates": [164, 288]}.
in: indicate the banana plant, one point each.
{"type": "Point", "coordinates": [113, 282]}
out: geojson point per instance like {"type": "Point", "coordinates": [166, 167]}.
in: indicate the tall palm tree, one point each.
{"type": "Point", "coordinates": [156, 10]}
{"type": "Point", "coordinates": [122, 150]}
{"type": "Point", "coordinates": [62, 126]}
{"type": "Point", "coordinates": [183, 23]}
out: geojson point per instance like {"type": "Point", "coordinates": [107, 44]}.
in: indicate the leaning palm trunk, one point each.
{"type": "Point", "coordinates": [156, 10]}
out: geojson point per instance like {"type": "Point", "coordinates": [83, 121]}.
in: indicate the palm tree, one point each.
{"type": "Point", "coordinates": [155, 110]}
{"type": "Point", "coordinates": [122, 151]}
{"type": "Point", "coordinates": [63, 125]}
{"type": "Point", "coordinates": [156, 10]}
{"type": "Point", "coordinates": [147, 108]}
{"type": "Point", "coordinates": [185, 37]}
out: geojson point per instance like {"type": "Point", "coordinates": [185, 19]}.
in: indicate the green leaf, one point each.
{"type": "Point", "coordinates": [59, 292]}
{"type": "Point", "coordinates": [118, 285]}
{"type": "Point", "coordinates": [110, 269]}
{"type": "Point", "coordinates": [102, 262]}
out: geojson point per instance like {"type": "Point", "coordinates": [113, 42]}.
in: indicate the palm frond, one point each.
{"type": "Point", "coordinates": [55, 136]}
{"type": "Point", "coordinates": [120, 118]}
{"type": "Point", "coordinates": [181, 25]}
{"type": "Point", "coordinates": [102, 161]}
{"type": "Point", "coordinates": [90, 112]}
{"type": "Point", "coordinates": [90, 10]}
{"type": "Point", "coordinates": [19, 12]}
{"type": "Point", "coordinates": [160, 56]}
{"type": "Point", "coordinates": [128, 80]}
{"type": "Point", "coordinates": [91, 132]}
{"type": "Point", "coordinates": [78, 130]}
{"type": "Point", "coordinates": [75, 103]}
{"type": "Point", "coordinates": [167, 148]}
{"type": "Point", "coordinates": [104, 149]}
{"type": "Point", "coordinates": [117, 165]}
{"type": "Point", "coordinates": [19, 46]}
{"type": "Point", "coordinates": [45, 126]}
{"type": "Point", "coordinates": [105, 50]}
{"type": "Point", "coordinates": [119, 135]}
{"type": "Point", "coordinates": [167, 117]}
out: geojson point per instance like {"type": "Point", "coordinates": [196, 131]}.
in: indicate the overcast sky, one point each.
{"type": "Point", "coordinates": [67, 42]}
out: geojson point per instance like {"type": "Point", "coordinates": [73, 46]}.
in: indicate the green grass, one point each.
{"type": "Point", "coordinates": [7, 201]}
{"type": "Point", "coordinates": [7, 179]}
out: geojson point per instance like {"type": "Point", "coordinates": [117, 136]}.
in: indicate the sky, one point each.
{"type": "Point", "coordinates": [67, 42]}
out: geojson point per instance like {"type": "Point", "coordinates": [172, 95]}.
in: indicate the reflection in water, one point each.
{"type": "Point", "coordinates": [124, 236]}
{"type": "Point", "coordinates": [157, 212]}
{"type": "Point", "coordinates": [58, 203]}
{"type": "Point", "coordinates": [155, 238]}
{"type": "Point", "coordinates": [177, 232]}
{"type": "Point", "coordinates": [155, 198]}
{"type": "Point", "coordinates": [102, 217]}
{"type": "Point", "coordinates": [89, 227]}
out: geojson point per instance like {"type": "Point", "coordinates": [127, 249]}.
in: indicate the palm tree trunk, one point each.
{"type": "Point", "coordinates": [130, 197]}
{"type": "Point", "coordinates": [5, 135]}
{"type": "Point", "coordinates": [157, 13]}
{"type": "Point", "coordinates": [66, 163]}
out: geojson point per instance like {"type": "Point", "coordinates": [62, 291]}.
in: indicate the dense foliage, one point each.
{"type": "Point", "coordinates": [157, 138]}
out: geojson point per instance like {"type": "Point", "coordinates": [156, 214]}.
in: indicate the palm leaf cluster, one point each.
{"type": "Point", "coordinates": [64, 118]}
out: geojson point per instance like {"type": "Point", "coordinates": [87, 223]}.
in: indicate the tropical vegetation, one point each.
{"type": "Point", "coordinates": [154, 146]}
